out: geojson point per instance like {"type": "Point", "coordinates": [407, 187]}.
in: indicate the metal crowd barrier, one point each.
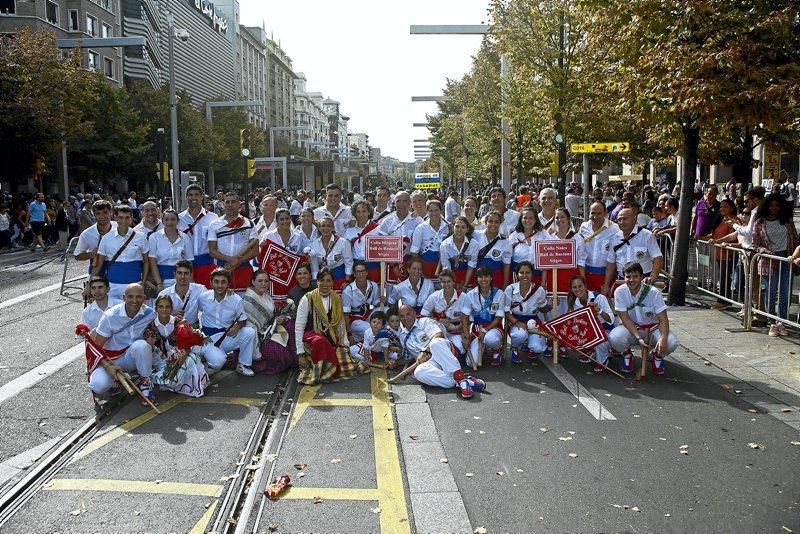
{"type": "Point", "coordinates": [721, 271]}
{"type": "Point", "coordinates": [773, 294]}
{"type": "Point", "coordinates": [68, 258]}
{"type": "Point", "coordinates": [666, 245]}
{"type": "Point", "coordinates": [576, 221]}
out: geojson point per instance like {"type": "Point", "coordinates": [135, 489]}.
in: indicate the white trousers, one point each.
{"type": "Point", "coordinates": [438, 371]}
{"type": "Point", "coordinates": [138, 357]}
{"type": "Point", "coordinates": [358, 327]}
{"type": "Point", "coordinates": [245, 341]}
{"type": "Point", "coordinates": [520, 336]}
{"type": "Point", "coordinates": [601, 352]}
{"type": "Point", "coordinates": [622, 340]}
{"type": "Point", "coordinates": [491, 340]}
{"type": "Point", "coordinates": [456, 340]}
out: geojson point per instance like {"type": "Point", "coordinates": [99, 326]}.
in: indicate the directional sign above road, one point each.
{"type": "Point", "coordinates": [613, 147]}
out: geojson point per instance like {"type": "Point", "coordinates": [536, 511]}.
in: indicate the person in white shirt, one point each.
{"type": "Point", "coordinates": [150, 222]}
{"type": "Point", "coordinates": [525, 302]}
{"type": "Point", "coordinates": [598, 233]}
{"type": "Point", "coordinates": [122, 254]}
{"type": "Point", "coordinates": [419, 201]}
{"type": "Point", "coordinates": [167, 246]}
{"type": "Point", "coordinates": [452, 209]}
{"type": "Point", "coordinates": [98, 289]}
{"type": "Point", "coordinates": [132, 200]}
{"type": "Point", "coordinates": [233, 242]}
{"type": "Point", "coordinates": [482, 319]}
{"type": "Point", "coordinates": [119, 333]}
{"type": "Point", "coordinates": [641, 310]}
{"type": "Point", "coordinates": [573, 201]}
{"type": "Point", "coordinates": [296, 206]}
{"type": "Point", "coordinates": [223, 318]}
{"type": "Point", "coordinates": [184, 294]}
{"type": "Point", "coordinates": [580, 297]}
{"type": "Point", "coordinates": [509, 218]}
{"type": "Point", "coordinates": [632, 243]}
{"type": "Point", "coordinates": [459, 252]}
{"type": "Point", "coordinates": [445, 306]}
{"type": "Point", "coordinates": [523, 241]}
{"type": "Point", "coordinates": [268, 221]}
{"type": "Point", "coordinates": [426, 241]}
{"type": "Point", "coordinates": [306, 231]}
{"type": "Point", "coordinates": [382, 208]}
{"type": "Point", "coordinates": [547, 205]}
{"type": "Point", "coordinates": [437, 365]}
{"type": "Point", "coordinates": [334, 209]}
{"type": "Point", "coordinates": [400, 223]}
{"type": "Point", "coordinates": [414, 290]}
{"type": "Point", "coordinates": [283, 234]}
{"type": "Point", "coordinates": [89, 239]}
{"type": "Point", "coordinates": [333, 252]}
{"type": "Point", "coordinates": [471, 214]}
{"type": "Point", "coordinates": [194, 222]}
{"type": "Point", "coordinates": [356, 235]}
{"type": "Point", "coordinates": [359, 298]}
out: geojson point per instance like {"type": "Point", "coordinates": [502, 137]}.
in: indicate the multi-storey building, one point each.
{"type": "Point", "coordinates": [253, 76]}
{"type": "Point", "coordinates": [309, 113]}
{"type": "Point", "coordinates": [71, 19]}
{"type": "Point", "coordinates": [140, 18]}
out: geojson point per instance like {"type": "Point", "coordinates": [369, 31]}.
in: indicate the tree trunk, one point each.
{"type": "Point", "coordinates": [680, 250]}
{"type": "Point", "coordinates": [742, 167]}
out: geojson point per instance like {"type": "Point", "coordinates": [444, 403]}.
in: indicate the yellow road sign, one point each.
{"type": "Point", "coordinates": [612, 147]}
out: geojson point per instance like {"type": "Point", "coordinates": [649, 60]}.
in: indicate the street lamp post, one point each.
{"type": "Point", "coordinates": [177, 182]}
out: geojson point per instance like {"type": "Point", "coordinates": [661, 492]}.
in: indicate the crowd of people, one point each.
{"type": "Point", "coordinates": [176, 296]}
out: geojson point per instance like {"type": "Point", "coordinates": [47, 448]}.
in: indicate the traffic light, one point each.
{"type": "Point", "coordinates": [245, 143]}
{"type": "Point", "coordinates": [554, 163]}
{"type": "Point", "coordinates": [558, 127]}
{"type": "Point", "coordinates": [251, 167]}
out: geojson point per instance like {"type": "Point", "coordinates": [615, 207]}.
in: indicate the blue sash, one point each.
{"type": "Point", "coordinates": [338, 273]}
{"type": "Point", "coordinates": [525, 318]}
{"type": "Point", "coordinates": [125, 272]}
{"type": "Point", "coordinates": [202, 259]}
{"type": "Point", "coordinates": [595, 270]}
{"type": "Point", "coordinates": [167, 272]}
{"type": "Point", "coordinates": [210, 331]}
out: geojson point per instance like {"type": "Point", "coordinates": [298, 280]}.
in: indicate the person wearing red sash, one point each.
{"type": "Point", "coordinates": [580, 297]}
{"type": "Point", "coordinates": [233, 242]}
{"type": "Point", "coordinates": [359, 298]}
{"type": "Point", "coordinates": [291, 246]}
{"type": "Point", "coordinates": [194, 222]}
{"type": "Point", "coordinates": [529, 230]}
{"type": "Point", "coordinates": [332, 252]}
{"type": "Point", "coordinates": [356, 235]}
{"type": "Point", "coordinates": [400, 223]}
{"type": "Point", "coordinates": [597, 234]}
{"type": "Point", "coordinates": [459, 252]}
{"type": "Point", "coordinates": [482, 320]}
{"type": "Point", "coordinates": [445, 306]}
{"type": "Point", "coordinates": [494, 251]}
{"type": "Point", "coordinates": [564, 232]}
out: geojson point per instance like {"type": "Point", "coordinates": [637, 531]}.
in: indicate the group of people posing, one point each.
{"type": "Point", "coordinates": [181, 295]}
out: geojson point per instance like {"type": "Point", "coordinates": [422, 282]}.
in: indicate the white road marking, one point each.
{"type": "Point", "coordinates": [16, 464]}
{"type": "Point", "coordinates": [32, 294]}
{"type": "Point", "coordinates": [39, 373]}
{"type": "Point", "coordinates": [588, 400]}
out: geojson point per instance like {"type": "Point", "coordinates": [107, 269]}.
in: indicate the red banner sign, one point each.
{"type": "Point", "coordinates": [555, 254]}
{"type": "Point", "coordinates": [386, 248]}
{"type": "Point", "coordinates": [278, 262]}
{"type": "Point", "coordinates": [578, 329]}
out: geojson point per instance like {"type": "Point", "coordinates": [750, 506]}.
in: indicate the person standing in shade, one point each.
{"type": "Point", "coordinates": [194, 222]}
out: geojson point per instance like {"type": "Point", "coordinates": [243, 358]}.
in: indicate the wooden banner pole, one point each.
{"type": "Point", "coordinates": [383, 286]}
{"type": "Point", "coordinates": [554, 279]}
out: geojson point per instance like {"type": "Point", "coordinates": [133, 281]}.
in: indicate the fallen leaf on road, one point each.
{"type": "Point", "coordinates": [751, 410]}
{"type": "Point", "coordinates": [562, 438]}
{"type": "Point", "coordinates": [336, 461]}
{"type": "Point", "coordinates": [755, 446]}
{"type": "Point", "coordinates": [443, 460]}
{"type": "Point", "coordinates": [683, 447]}
{"type": "Point", "coordinates": [210, 414]}
{"type": "Point", "coordinates": [271, 457]}
{"type": "Point", "coordinates": [353, 436]}
{"type": "Point", "coordinates": [506, 402]}
{"type": "Point", "coordinates": [480, 530]}
{"type": "Point", "coordinates": [272, 527]}
{"type": "Point", "coordinates": [573, 455]}
{"type": "Point", "coordinates": [75, 512]}
{"type": "Point", "coordinates": [519, 471]}
{"type": "Point", "coordinates": [684, 452]}
{"type": "Point", "coordinates": [705, 362]}
{"type": "Point", "coordinates": [663, 439]}
{"type": "Point", "coordinates": [635, 509]}
{"type": "Point", "coordinates": [797, 443]}
{"type": "Point", "coordinates": [475, 417]}
{"type": "Point", "coordinates": [500, 473]}
{"type": "Point", "coordinates": [467, 431]}
{"type": "Point", "coordinates": [607, 394]}
{"type": "Point", "coordinates": [301, 474]}
{"type": "Point", "coordinates": [470, 475]}
{"type": "Point", "coordinates": [615, 505]}
{"type": "Point", "coordinates": [636, 415]}
{"type": "Point", "coordinates": [413, 438]}
{"type": "Point", "coordinates": [232, 521]}
{"type": "Point", "coordinates": [159, 481]}
{"type": "Point", "coordinates": [571, 432]}
{"type": "Point", "coordinates": [666, 515]}
{"type": "Point", "coordinates": [481, 432]}
{"type": "Point", "coordinates": [300, 467]}
{"type": "Point", "coordinates": [376, 510]}
{"type": "Point", "coordinates": [318, 500]}
{"type": "Point", "coordinates": [786, 410]}
{"type": "Point", "coordinates": [285, 414]}
{"type": "Point", "coordinates": [543, 429]}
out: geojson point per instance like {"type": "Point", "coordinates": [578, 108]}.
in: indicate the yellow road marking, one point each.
{"type": "Point", "coordinates": [201, 525]}
{"type": "Point", "coordinates": [341, 402]}
{"type": "Point", "coordinates": [305, 396]}
{"type": "Point", "coordinates": [133, 486]}
{"type": "Point", "coordinates": [394, 510]}
{"type": "Point", "coordinates": [332, 494]}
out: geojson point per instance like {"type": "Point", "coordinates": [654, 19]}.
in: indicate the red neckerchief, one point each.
{"type": "Point", "coordinates": [370, 226]}
{"type": "Point", "coordinates": [190, 228]}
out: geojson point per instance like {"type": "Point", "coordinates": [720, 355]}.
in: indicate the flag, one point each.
{"type": "Point", "coordinates": [579, 329]}
{"type": "Point", "coordinates": [278, 262]}
{"type": "Point", "coordinates": [94, 352]}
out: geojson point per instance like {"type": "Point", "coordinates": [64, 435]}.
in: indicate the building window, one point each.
{"type": "Point", "coordinates": [108, 31]}
{"type": "Point", "coordinates": [51, 12]}
{"type": "Point", "coordinates": [108, 67]}
{"type": "Point", "coordinates": [94, 59]}
{"type": "Point", "coordinates": [8, 7]}
{"type": "Point", "coordinates": [73, 21]}
{"type": "Point", "coordinates": [91, 25]}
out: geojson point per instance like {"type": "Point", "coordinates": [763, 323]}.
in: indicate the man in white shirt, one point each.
{"type": "Point", "coordinates": [643, 314]}
{"type": "Point", "coordinates": [632, 243]}
{"type": "Point", "coordinates": [194, 222]}
{"type": "Point", "coordinates": [184, 294]}
{"type": "Point", "coordinates": [119, 333]}
{"type": "Point", "coordinates": [89, 239]}
{"type": "Point", "coordinates": [452, 209]}
{"type": "Point", "coordinates": [132, 200]}
{"type": "Point", "coordinates": [510, 218]}
{"type": "Point", "coordinates": [151, 222]}
{"type": "Point", "coordinates": [224, 321]}
{"type": "Point", "coordinates": [297, 206]}
{"type": "Point", "coordinates": [598, 233]}
{"type": "Point", "coordinates": [400, 223]}
{"type": "Point", "coordinates": [419, 204]}
{"type": "Point", "coordinates": [122, 254]}
{"type": "Point", "coordinates": [382, 208]}
{"type": "Point", "coordinates": [437, 364]}
{"type": "Point", "coordinates": [98, 289]}
{"type": "Point", "coordinates": [267, 221]}
{"type": "Point", "coordinates": [574, 203]}
{"type": "Point", "coordinates": [233, 242]}
{"type": "Point", "coordinates": [333, 208]}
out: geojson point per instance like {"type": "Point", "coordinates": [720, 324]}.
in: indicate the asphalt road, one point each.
{"type": "Point", "coordinates": [669, 455]}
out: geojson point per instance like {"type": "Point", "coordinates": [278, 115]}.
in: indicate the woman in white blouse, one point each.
{"type": "Point", "coordinates": [167, 246]}
{"type": "Point", "coordinates": [332, 252]}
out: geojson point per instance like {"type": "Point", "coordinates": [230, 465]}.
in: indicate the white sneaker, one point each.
{"type": "Point", "coordinates": [774, 331]}
{"type": "Point", "coordinates": [244, 370]}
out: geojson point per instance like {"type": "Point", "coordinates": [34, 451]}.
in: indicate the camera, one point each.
{"type": "Point", "coordinates": [182, 34]}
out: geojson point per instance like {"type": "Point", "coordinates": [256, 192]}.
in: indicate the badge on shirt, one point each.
{"type": "Point", "coordinates": [423, 337]}
{"type": "Point", "coordinates": [494, 307]}
{"type": "Point", "coordinates": [639, 254]}
{"type": "Point", "coordinates": [337, 257]}
{"type": "Point", "coordinates": [495, 253]}
{"type": "Point", "coordinates": [457, 314]}
{"type": "Point", "coordinates": [649, 314]}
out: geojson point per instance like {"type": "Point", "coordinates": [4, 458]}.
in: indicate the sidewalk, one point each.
{"type": "Point", "coordinates": [764, 371]}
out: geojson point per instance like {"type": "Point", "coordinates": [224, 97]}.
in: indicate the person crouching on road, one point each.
{"type": "Point", "coordinates": [100, 302]}
{"type": "Point", "coordinates": [437, 364]}
{"type": "Point", "coordinates": [579, 297]}
{"type": "Point", "coordinates": [525, 301]}
{"type": "Point", "coordinates": [484, 309]}
{"type": "Point", "coordinates": [223, 319]}
{"type": "Point", "coordinates": [642, 310]}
